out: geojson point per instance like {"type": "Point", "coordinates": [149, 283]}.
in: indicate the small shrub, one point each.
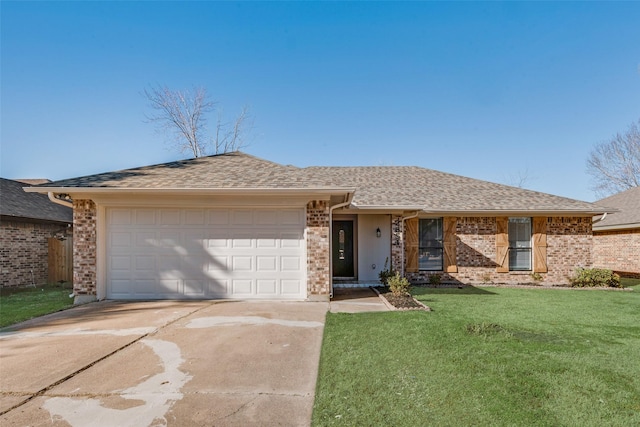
{"type": "Point", "coordinates": [536, 277]}
{"type": "Point", "coordinates": [385, 274]}
{"type": "Point", "coordinates": [595, 277]}
{"type": "Point", "coordinates": [434, 279]}
{"type": "Point", "coordinates": [399, 285]}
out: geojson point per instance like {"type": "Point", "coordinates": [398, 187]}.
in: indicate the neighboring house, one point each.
{"type": "Point", "coordinates": [236, 226]}
{"type": "Point", "coordinates": [27, 221]}
{"type": "Point", "coordinates": [616, 236]}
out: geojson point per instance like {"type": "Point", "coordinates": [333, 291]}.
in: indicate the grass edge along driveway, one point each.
{"type": "Point", "coordinates": [24, 303]}
{"type": "Point", "coordinates": [485, 356]}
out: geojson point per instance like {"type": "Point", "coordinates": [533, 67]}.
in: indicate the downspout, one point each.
{"type": "Point", "coordinates": [54, 199]}
{"type": "Point", "coordinates": [601, 218]}
{"type": "Point", "coordinates": [404, 218]}
{"type": "Point", "coordinates": [331, 209]}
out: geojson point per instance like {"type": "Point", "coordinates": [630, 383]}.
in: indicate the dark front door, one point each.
{"type": "Point", "coordinates": [343, 249]}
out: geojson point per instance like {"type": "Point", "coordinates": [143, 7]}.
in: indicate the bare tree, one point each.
{"type": "Point", "coordinates": [520, 179]}
{"type": "Point", "coordinates": [615, 164]}
{"type": "Point", "coordinates": [183, 114]}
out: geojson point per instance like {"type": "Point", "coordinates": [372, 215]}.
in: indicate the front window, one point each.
{"type": "Point", "coordinates": [519, 244]}
{"type": "Point", "coordinates": [430, 234]}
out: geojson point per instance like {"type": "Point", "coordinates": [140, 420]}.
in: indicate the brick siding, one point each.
{"type": "Point", "coordinates": [84, 248]}
{"type": "Point", "coordinates": [568, 247]}
{"type": "Point", "coordinates": [618, 250]}
{"type": "Point", "coordinates": [24, 250]}
{"type": "Point", "coordinates": [318, 270]}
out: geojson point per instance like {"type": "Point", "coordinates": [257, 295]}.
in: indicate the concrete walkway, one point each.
{"type": "Point", "coordinates": [356, 300]}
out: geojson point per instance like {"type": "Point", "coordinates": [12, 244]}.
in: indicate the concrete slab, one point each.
{"type": "Point", "coordinates": [356, 300]}
{"type": "Point", "coordinates": [157, 363]}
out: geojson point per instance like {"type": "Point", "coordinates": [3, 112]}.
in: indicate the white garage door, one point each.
{"type": "Point", "coordinates": [157, 253]}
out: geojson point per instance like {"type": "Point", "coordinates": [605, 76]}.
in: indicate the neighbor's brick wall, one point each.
{"type": "Point", "coordinates": [318, 272]}
{"type": "Point", "coordinates": [568, 247]}
{"type": "Point", "coordinates": [24, 248]}
{"type": "Point", "coordinates": [618, 250]}
{"type": "Point", "coordinates": [84, 247]}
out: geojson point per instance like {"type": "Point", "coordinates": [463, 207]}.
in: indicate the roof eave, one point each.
{"type": "Point", "coordinates": [192, 191]}
{"type": "Point", "coordinates": [485, 212]}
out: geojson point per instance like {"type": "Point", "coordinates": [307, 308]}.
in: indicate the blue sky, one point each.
{"type": "Point", "coordinates": [487, 90]}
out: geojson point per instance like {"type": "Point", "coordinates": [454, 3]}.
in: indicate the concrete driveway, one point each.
{"type": "Point", "coordinates": [201, 363]}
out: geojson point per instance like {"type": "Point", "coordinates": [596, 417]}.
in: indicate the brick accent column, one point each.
{"type": "Point", "coordinates": [397, 243]}
{"type": "Point", "coordinates": [318, 261]}
{"type": "Point", "coordinates": [84, 251]}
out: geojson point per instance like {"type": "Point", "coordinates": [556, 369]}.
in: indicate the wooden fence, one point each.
{"type": "Point", "coordinates": [60, 260]}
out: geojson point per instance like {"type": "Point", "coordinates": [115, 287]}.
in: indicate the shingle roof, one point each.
{"type": "Point", "coordinates": [628, 203]}
{"type": "Point", "coordinates": [231, 170]}
{"type": "Point", "coordinates": [14, 202]}
{"type": "Point", "coordinates": [388, 186]}
{"type": "Point", "coordinates": [382, 186]}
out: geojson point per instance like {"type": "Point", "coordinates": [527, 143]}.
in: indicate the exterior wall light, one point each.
{"type": "Point", "coordinates": [378, 232]}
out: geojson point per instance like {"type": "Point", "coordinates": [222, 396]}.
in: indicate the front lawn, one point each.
{"type": "Point", "coordinates": [486, 356]}
{"type": "Point", "coordinates": [18, 304]}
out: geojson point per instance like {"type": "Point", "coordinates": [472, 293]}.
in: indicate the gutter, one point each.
{"type": "Point", "coordinates": [190, 190]}
{"type": "Point", "coordinates": [331, 209]}
{"type": "Point", "coordinates": [54, 199]}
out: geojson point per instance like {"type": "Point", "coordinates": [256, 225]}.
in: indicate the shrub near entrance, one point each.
{"type": "Point", "coordinates": [399, 285]}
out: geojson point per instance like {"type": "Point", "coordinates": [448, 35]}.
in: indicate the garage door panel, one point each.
{"type": "Point", "coordinates": [205, 253]}
{"type": "Point", "coordinates": [195, 287]}
{"type": "Point", "coordinates": [218, 288]}
{"type": "Point", "coordinates": [145, 217]}
{"type": "Point", "coordinates": [241, 287]}
{"type": "Point", "coordinates": [267, 287]}
{"type": "Point", "coordinates": [290, 287]}
{"type": "Point", "coordinates": [242, 263]}
{"type": "Point", "coordinates": [266, 263]}
{"type": "Point", "coordinates": [170, 217]}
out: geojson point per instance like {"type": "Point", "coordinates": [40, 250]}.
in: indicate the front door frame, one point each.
{"type": "Point", "coordinates": [354, 220]}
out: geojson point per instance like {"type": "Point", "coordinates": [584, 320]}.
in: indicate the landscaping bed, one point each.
{"type": "Point", "coordinates": [400, 301]}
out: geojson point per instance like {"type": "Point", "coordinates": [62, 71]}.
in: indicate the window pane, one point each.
{"type": "Point", "coordinates": [519, 243]}
{"type": "Point", "coordinates": [430, 235]}
{"type": "Point", "coordinates": [519, 259]}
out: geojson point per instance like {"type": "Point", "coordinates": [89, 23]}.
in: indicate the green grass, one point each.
{"type": "Point", "coordinates": [486, 357]}
{"type": "Point", "coordinates": [19, 304]}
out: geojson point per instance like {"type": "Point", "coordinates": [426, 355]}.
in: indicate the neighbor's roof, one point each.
{"type": "Point", "coordinates": [14, 202]}
{"type": "Point", "coordinates": [628, 204]}
{"type": "Point", "coordinates": [381, 187]}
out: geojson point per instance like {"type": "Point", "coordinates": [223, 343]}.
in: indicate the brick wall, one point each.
{"type": "Point", "coordinates": [318, 266]}
{"type": "Point", "coordinates": [84, 249]}
{"type": "Point", "coordinates": [23, 250]}
{"type": "Point", "coordinates": [618, 250]}
{"type": "Point", "coordinates": [569, 243]}
{"type": "Point", "coordinates": [568, 247]}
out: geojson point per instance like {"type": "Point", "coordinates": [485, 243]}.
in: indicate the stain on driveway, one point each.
{"type": "Point", "coordinates": [163, 363]}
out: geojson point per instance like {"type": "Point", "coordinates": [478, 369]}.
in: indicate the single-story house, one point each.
{"type": "Point", "coordinates": [236, 226]}
{"type": "Point", "coordinates": [616, 237]}
{"type": "Point", "coordinates": [27, 222]}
